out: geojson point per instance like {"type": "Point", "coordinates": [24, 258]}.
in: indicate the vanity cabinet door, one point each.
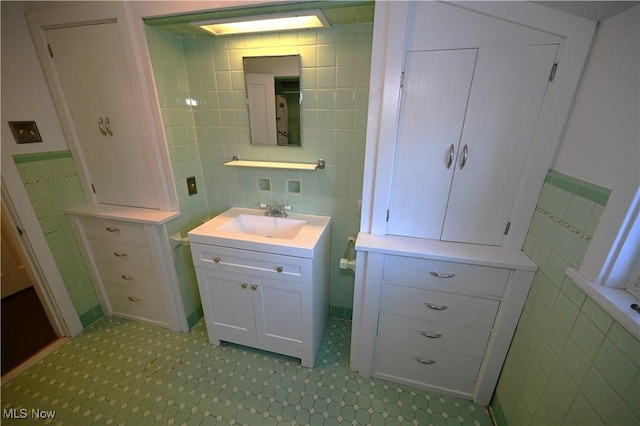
{"type": "Point", "coordinates": [228, 306]}
{"type": "Point", "coordinates": [100, 97]}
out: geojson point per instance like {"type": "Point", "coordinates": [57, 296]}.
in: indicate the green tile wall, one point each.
{"type": "Point", "coordinates": [52, 184]}
{"type": "Point", "coordinates": [335, 77]}
{"type": "Point", "coordinates": [569, 362]}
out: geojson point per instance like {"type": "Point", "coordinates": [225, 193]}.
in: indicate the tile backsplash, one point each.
{"type": "Point", "coordinates": [52, 184]}
{"type": "Point", "coordinates": [569, 362]}
{"type": "Point", "coordinates": [200, 85]}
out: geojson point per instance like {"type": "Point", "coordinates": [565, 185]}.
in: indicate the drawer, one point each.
{"type": "Point", "coordinates": [115, 231]}
{"type": "Point", "coordinates": [438, 368]}
{"type": "Point", "coordinates": [136, 304]}
{"type": "Point", "coordinates": [434, 335]}
{"type": "Point", "coordinates": [121, 254]}
{"type": "Point", "coordinates": [452, 277]}
{"type": "Point", "coordinates": [251, 262]}
{"type": "Point", "coordinates": [128, 277]}
{"type": "Point", "coordinates": [454, 309]}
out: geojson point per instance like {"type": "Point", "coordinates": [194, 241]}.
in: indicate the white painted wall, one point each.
{"type": "Point", "coordinates": [604, 120]}
{"type": "Point", "coordinates": [25, 94]}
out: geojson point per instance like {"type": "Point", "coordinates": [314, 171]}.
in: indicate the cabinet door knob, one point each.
{"type": "Point", "coordinates": [465, 155]}
{"type": "Point", "coordinates": [425, 361]}
{"type": "Point", "coordinates": [279, 269]}
{"type": "Point", "coordinates": [244, 285]}
{"type": "Point", "coordinates": [436, 307]}
{"type": "Point", "coordinates": [441, 275]}
{"type": "Point", "coordinates": [110, 229]}
{"type": "Point", "coordinates": [254, 287]}
{"type": "Point", "coordinates": [119, 254]}
{"type": "Point", "coordinates": [101, 126]}
{"type": "Point", "coordinates": [450, 156]}
{"type": "Point", "coordinates": [127, 277]}
{"type": "Point", "coordinates": [430, 335]}
{"type": "Point", "coordinates": [134, 299]}
{"type": "Point", "coordinates": [216, 260]}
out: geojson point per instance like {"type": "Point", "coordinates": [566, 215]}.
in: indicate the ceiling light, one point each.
{"type": "Point", "coordinates": [264, 23]}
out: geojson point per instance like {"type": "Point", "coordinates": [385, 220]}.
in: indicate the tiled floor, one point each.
{"type": "Point", "coordinates": [120, 372]}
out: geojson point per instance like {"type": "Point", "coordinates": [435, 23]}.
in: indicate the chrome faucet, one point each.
{"type": "Point", "coordinates": [276, 210]}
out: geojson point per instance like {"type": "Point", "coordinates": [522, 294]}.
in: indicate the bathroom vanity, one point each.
{"type": "Point", "coordinates": [264, 280]}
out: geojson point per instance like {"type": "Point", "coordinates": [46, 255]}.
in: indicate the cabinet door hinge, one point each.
{"type": "Point", "coordinates": [506, 228]}
{"type": "Point", "coordinates": [93, 188]}
{"type": "Point", "coordinates": [20, 231]}
{"type": "Point", "coordinates": [50, 50]}
{"type": "Point", "coordinates": [387, 215]}
{"type": "Point", "coordinates": [554, 68]}
{"type": "Point", "coordinates": [402, 80]}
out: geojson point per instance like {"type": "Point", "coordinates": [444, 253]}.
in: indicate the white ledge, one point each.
{"type": "Point", "coordinates": [615, 301]}
{"type": "Point", "coordinates": [275, 164]}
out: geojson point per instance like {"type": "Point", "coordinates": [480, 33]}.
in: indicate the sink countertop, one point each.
{"type": "Point", "coordinates": [302, 245]}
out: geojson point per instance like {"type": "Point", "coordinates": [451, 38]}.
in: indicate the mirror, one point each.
{"type": "Point", "coordinates": [273, 99]}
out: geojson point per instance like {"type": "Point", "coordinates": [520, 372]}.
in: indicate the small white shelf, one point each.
{"type": "Point", "coordinates": [275, 164]}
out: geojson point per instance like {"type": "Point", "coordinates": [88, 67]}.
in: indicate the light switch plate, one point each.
{"type": "Point", "coordinates": [191, 185]}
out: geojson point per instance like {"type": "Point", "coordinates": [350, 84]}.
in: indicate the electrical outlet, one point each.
{"type": "Point", "coordinates": [191, 185]}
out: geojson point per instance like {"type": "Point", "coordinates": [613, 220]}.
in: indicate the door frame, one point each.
{"type": "Point", "coordinates": [48, 282]}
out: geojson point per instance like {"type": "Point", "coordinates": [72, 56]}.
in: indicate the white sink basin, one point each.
{"type": "Point", "coordinates": [265, 226]}
{"type": "Point", "coordinates": [249, 229]}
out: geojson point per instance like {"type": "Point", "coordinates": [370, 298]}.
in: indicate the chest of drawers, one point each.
{"type": "Point", "coordinates": [431, 319]}
{"type": "Point", "coordinates": [131, 268]}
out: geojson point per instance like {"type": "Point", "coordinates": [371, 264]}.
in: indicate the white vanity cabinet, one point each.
{"type": "Point", "coordinates": [437, 315]}
{"type": "Point", "coordinates": [129, 261]}
{"type": "Point", "coordinates": [267, 301]}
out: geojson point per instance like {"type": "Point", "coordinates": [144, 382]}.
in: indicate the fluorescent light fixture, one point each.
{"type": "Point", "coordinates": [264, 23]}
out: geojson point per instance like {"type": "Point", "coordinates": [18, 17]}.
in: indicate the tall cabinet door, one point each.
{"type": "Point", "coordinates": [509, 85]}
{"type": "Point", "coordinates": [99, 94]}
{"type": "Point", "coordinates": [434, 101]}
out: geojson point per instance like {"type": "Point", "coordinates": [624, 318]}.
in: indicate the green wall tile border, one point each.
{"type": "Point", "coordinates": [91, 316]}
{"type": "Point", "coordinates": [195, 317]}
{"type": "Point", "coordinates": [40, 156]}
{"type": "Point", "coordinates": [592, 192]}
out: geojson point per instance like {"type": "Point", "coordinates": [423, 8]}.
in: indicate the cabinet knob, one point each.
{"type": "Point", "coordinates": [441, 275]}
{"type": "Point", "coordinates": [101, 126]}
{"type": "Point", "coordinates": [254, 287]}
{"type": "Point", "coordinates": [430, 335]}
{"type": "Point", "coordinates": [216, 260]}
{"type": "Point", "coordinates": [425, 361]}
{"type": "Point", "coordinates": [436, 307]}
{"type": "Point", "coordinates": [465, 155]}
{"type": "Point", "coordinates": [134, 299]}
{"type": "Point", "coordinates": [110, 229]}
{"type": "Point", "coordinates": [107, 126]}
{"type": "Point", "coordinates": [279, 269]}
{"type": "Point", "coordinates": [127, 277]}
{"type": "Point", "coordinates": [450, 156]}
{"type": "Point", "coordinates": [244, 285]}
{"type": "Point", "coordinates": [119, 254]}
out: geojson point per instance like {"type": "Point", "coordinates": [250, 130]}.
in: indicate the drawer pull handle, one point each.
{"type": "Point", "coordinates": [244, 285]}
{"type": "Point", "coordinates": [279, 269]}
{"type": "Point", "coordinates": [127, 277]}
{"type": "Point", "coordinates": [425, 361]}
{"type": "Point", "coordinates": [441, 275]}
{"type": "Point", "coordinates": [431, 335]}
{"type": "Point", "coordinates": [436, 307]}
{"type": "Point", "coordinates": [118, 254]}
{"type": "Point", "coordinates": [110, 229]}
{"type": "Point", "coordinates": [216, 260]}
{"type": "Point", "coordinates": [134, 299]}
{"type": "Point", "coordinates": [254, 287]}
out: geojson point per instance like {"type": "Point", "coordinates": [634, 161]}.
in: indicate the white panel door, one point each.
{"type": "Point", "coordinates": [278, 309]}
{"type": "Point", "coordinates": [91, 69]}
{"type": "Point", "coordinates": [509, 85]}
{"type": "Point", "coordinates": [434, 100]}
{"type": "Point", "coordinates": [261, 100]}
{"type": "Point", "coordinates": [227, 306]}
